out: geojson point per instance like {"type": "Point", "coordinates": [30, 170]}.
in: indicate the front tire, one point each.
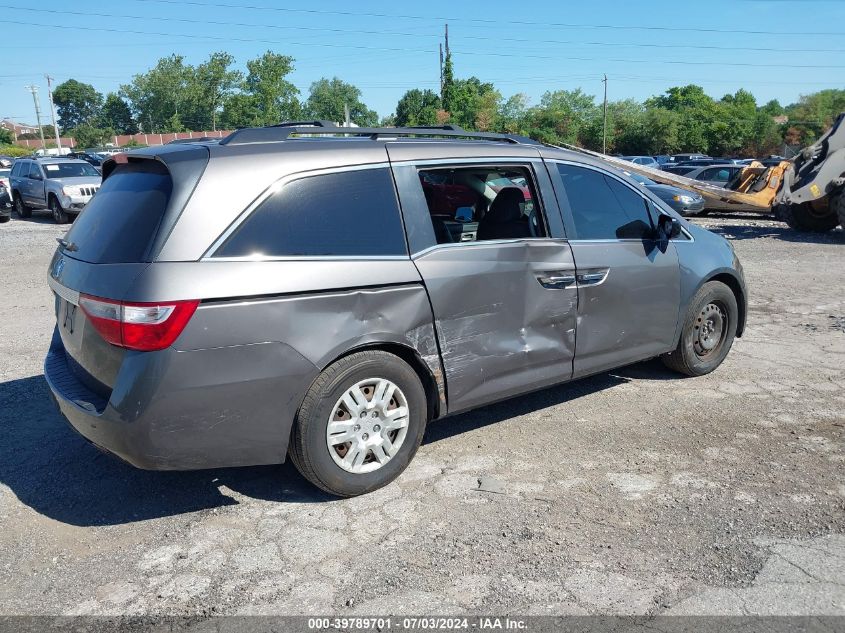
{"type": "Point", "coordinates": [708, 332]}
{"type": "Point", "coordinates": [805, 217]}
{"type": "Point", "coordinates": [59, 214]}
{"type": "Point", "coordinates": [360, 424]}
{"type": "Point", "coordinates": [21, 209]}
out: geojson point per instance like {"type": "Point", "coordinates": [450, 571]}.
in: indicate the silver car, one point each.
{"type": "Point", "coordinates": [324, 293]}
{"type": "Point", "coordinates": [64, 186]}
{"type": "Point", "coordinates": [719, 175]}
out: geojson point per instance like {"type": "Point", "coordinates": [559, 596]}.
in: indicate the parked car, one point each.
{"type": "Point", "coordinates": [704, 162]}
{"type": "Point", "coordinates": [62, 185]}
{"type": "Point", "coordinates": [91, 158]}
{"type": "Point", "coordinates": [662, 159]}
{"type": "Point", "coordinates": [674, 159]}
{"type": "Point", "coordinates": [681, 200]}
{"type": "Point", "coordinates": [4, 178]}
{"type": "Point", "coordinates": [678, 171]}
{"type": "Point", "coordinates": [318, 313]}
{"type": "Point", "coordinates": [5, 204]}
{"type": "Point", "coordinates": [719, 175]}
{"type": "Point", "coordinates": [6, 161]}
{"type": "Point", "coordinates": [645, 161]}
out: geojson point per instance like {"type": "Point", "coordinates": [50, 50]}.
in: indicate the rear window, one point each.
{"type": "Point", "coordinates": [121, 220]}
{"type": "Point", "coordinates": [351, 213]}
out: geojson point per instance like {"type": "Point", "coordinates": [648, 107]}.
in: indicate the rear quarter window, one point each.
{"type": "Point", "coordinates": [121, 220]}
{"type": "Point", "coordinates": [350, 213]}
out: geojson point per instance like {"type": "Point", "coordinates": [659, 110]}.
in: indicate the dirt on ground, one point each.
{"type": "Point", "coordinates": [632, 492]}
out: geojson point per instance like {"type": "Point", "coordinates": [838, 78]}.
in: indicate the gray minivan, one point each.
{"type": "Point", "coordinates": [325, 292]}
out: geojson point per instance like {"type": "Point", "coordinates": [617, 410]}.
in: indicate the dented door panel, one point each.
{"type": "Point", "coordinates": [501, 331]}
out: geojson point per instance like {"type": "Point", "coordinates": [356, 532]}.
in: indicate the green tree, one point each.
{"type": "Point", "coordinates": [562, 116]}
{"type": "Point", "coordinates": [76, 103]}
{"type": "Point", "coordinates": [87, 135]}
{"type": "Point", "coordinates": [513, 114]}
{"type": "Point", "coordinates": [326, 100]}
{"type": "Point", "coordinates": [813, 115]}
{"type": "Point", "coordinates": [697, 112]}
{"type": "Point", "coordinates": [447, 89]}
{"type": "Point", "coordinates": [417, 107]}
{"type": "Point", "coordinates": [473, 103]}
{"type": "Point", "coordinates": [267, 96]}
{"type": "Point", "coordinates": [157, 96]}
{"type": "Point", "coordinates": [116, 115]}
{"type": "Point", "coordinates": [213, 83]}
{"type": "Point", "coordinates": [772, 108]}
{"type": "Point", "coordinates": [6, 137]}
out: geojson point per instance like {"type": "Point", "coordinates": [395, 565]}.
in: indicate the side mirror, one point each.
{"type": "Point", "coordinates": [668, 227]}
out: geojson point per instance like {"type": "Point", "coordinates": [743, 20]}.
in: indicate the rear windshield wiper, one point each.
{"type": "Point", "coordinates": [68, 246]}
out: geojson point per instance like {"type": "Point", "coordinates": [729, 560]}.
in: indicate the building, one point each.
{"type": "Point", "coordinates": [18, 128]}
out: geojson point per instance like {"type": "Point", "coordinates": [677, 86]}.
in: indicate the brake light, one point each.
{"type": "Point", "coordinates": [145, 327]}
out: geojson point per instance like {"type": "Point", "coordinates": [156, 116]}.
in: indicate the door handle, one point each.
{"type": "Point", "coordinates": [556, 280]}
{"type": "Point", "coordinates": [593, 278]}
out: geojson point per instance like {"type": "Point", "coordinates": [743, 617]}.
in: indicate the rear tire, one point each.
{"type": "Point", "coordinates": [59, 214]}
{"type": "Point", "coordinates": [708, 331]}
{"type": "Point", "coordinates": [5, 218]}
{"type": "Point", "coordinates": [21, 209]}
{"type": "Point", "coordinates": [352, 468]}
{"type": "Point", "coordinates": [803, 217]}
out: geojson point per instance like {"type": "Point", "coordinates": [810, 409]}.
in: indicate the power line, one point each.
{"type": "Point", "coordinates": [424, 35]}
{"type": "Point", "coordinates": [422, 50]}
{"type": "Point", "coordinates": [241, 7]}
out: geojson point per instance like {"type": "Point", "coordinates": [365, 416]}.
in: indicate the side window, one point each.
{"type": "Point", "coordinates": [483, 202]}
{"type": "Point", "coordinates": [34, 171]}
{"type": "Point", "coordinates": [602, 207]}
{"type": "Point", "coordinates": [350, 213]}
{"type": "Point", "coordinates": [15, 169]}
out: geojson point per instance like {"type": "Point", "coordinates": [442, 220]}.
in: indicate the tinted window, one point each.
{"type": "Point", "coordinates": [34, 170]}
{"type": "Point", "coordinates": [16, 168]}
{"type": "Point", "coordinates": [121, 220]}
{"type": "Point", "coordinates": [347, 214]}
{"type": "Point", "coordinates": [602, 207]}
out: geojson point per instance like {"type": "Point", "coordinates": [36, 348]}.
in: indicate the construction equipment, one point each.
{"type": "Point", "coordinates": [753, 189]}
{"type": "Point", "coordinates": [812, 196]}
{"type": "Point", "coordinates": [806, 192]}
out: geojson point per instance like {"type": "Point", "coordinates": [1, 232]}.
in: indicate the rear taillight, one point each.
{"type": "Point", "coordinates": [145, 327]}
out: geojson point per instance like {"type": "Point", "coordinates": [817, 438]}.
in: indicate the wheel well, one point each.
{"type": "Point", "coordinates": [413, 359]}
{"type": "Point", "coordinates": [731, 282]}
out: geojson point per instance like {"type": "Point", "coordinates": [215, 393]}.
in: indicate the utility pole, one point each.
{"type": "Point", "coordinates": [34, 91]}
{"type": "Point", "coordinates": [604, 127]}
{"type": "Point", "coordinates": [53, 111]}
{"type": "Point", "coordinates": [447, 40]}
{"type": "Point", "coordinates": [441, 69]}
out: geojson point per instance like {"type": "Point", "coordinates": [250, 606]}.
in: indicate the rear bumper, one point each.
{"type": "Point", "coordinates": [174, 410]}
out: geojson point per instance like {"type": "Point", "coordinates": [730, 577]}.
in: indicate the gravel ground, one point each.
{"type": "Point", "coordinates": [633, 492]}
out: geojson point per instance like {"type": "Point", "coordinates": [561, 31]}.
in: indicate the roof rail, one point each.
{"type": "Point", "coordinates": [283, 131]}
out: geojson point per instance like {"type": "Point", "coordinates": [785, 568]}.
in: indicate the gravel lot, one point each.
{"type": "Point", "coordinates": [634, 492]}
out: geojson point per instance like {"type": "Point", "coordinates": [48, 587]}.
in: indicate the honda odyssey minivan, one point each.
{"type": "Point", "coordinates": [323, 293]}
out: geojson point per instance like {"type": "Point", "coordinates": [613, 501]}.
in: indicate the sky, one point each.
{"type": "Point", "coordinates": [777, 49]}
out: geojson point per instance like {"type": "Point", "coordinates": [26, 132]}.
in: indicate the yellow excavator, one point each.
{"type": "Point", "coordinates": [806, 191]}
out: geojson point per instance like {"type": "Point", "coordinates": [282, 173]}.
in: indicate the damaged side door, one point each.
{"type": "Point", "coordinates": [504, 308]}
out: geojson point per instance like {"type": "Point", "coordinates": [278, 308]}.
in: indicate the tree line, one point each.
{"type": "Point", "coordinates": [174, 96]}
